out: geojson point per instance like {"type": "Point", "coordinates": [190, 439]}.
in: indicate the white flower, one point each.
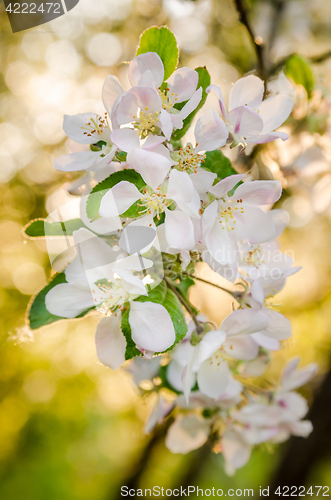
{"type": "Point", "coordinates": [146, 106]}
{"type": "Point", "coordinates": [87, 128]}
{"type": "Point", "coordinates": [238, 217]}
{"type": "Point", "coordinates": [187, 433]}
{"type": "Point", "coordinates": [179, 229]}
{"type": "Point", "coordinates": [251, 120]}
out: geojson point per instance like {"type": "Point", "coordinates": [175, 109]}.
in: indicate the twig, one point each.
{"type": "Point", "coordinates": [312, 59]}
{"type": "Point", "coordinates": [199, 326]}
{"type": "Point", "coordinates": [209, 283]}
{"type": "Point", "coordinates": [241, 8]}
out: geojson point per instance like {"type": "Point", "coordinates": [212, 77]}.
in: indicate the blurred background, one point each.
{"type": "Point", "coordinates": [70, 428]}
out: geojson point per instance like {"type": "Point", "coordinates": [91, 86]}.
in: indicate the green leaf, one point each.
{"type": "Point", "coordinates": [131, 351]}
{"type": "Point", "coordinates": [219, 164]}
{"type": "Point", "coordinates": [204, 82]}
{"type": "Point", "coordinates": [38, 315]}
{"type": "Point", "coordinates": [163, 42]}
{"type": "Point", "coordinates": [97, 193]}
{"type": "Point", "coordinates": [156, 294]}
{"type": "Point", "coordinates": [175, 309]}
{"type": "Point", "coordinates": [39, 228]}
{"type": "Point", "coordinates": [299, 69]}
{"type": "Point", "coordinates": [97, 146]}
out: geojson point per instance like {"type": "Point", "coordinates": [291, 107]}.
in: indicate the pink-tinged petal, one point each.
{"type": "Point", "coordinates": [257, 293]}
{"type": "Point", "coordinates": [147, 98]}
{"type": "Point", "coordinates": [293, 406]}
{"type": "Point", "coordinates": [187, 433]}
{"type": "Point", "coordinates": [166, 124]}
{"type": "Point", "coordinates": [266, 342]}
{"type": "Point", "coordinates": [213, 377]}
{"type": "Point", "coordinates": [180, 187]}
{"type": "Point", "coordinates": [68, 301]}
{"type": "Point", "coordinates": [294, 377]}
{"type": "Point", "coordinates": [150, 61]}
{"type": "Point", "coordinates": [175, 375]}
{"type": "Point", "coordinates": [132, 284]}
{"type": "Point", "coordinates": [217, 91]}
{"type": "Point", "coordinates": [203, 181]}
{"type": "Point", "coordinates": [264, 138]}
{"type": "Point", "coordinates": [247, 91]}
{"type": "Point", "coordinates": [244, 322]}
{"type": "Point", "coordinates": [280, 218]}
{"type": "Point", "coordinates": [254, 225]}
{"type": "Point", "coordinates": [241, 347]}
{"type": "Point", "coordinates": [274, 111]}
{"type": "Point", "coordinates": [75, 162]}
{"type": "Point", "coordinates": [220, 244]}
{"type": "Point", "coordinates": [235, 451]}
{"type": "Point", "coordinates": [245, 121]}
{"type": "Point", "coordinates": [191, 105]}
{"type": "Point", "coordinates": [179, 230]}
{"type": "Point", "coordinates": [182, 84]}
{"type": "Point", "coordinates": [110, 342]}
{"type": "Point", "coordinates": [225, 185]}
{"type": "Point", "coordinates": [302, 428]}
{"type": "Point", "coordinates": [151, 326]}
{"type": "Point", "coordinates": [210, 132]}
{"type": "Point", "coordinates": [125, 139]}
{"type": "Point", "coordinates": [209, 344]}
{"type": "Point", "coordinates": [191, 208]}
{"type": "Point", "coordinates": [75, 127]}
{"type": "Point", "coordinates": [139, 236]}
{"type": "Point", "coordinates": [279, 327]}
{"type": "Point", "coordinates": [118, 199]}
{"type": "Point", "coordinates": [152, 166]}
{"type": "Point", "coordinates": [111, 90]}
{"type": "Point", "coordinates": [125, 108]}
{"type": "Point", "coordinates": [152, 141]}
{"type": "Point", "coordinates": [259, 192]}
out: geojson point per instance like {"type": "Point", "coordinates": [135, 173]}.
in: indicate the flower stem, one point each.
{"type": "Point", "coordinates": [199, 327]}
{"type": "Point", "coordinates": [210, 283]}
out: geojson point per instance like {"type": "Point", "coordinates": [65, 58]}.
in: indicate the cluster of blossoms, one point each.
{"type": "Point", "coordinates": [152, 209]}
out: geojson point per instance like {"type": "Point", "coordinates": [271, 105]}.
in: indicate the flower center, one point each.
{"type": "Point", "coordinates": [153, 202]}
{"type": "Point", "coordinates": [217, 358]}
{"type": "Point", "coordinates": [97, 127]}
{"type": "Point", "coordinates": [254, 257]}
{"type": "Point", "coordinates": [188, 160]}
{"type": "Point", "coordinates": [227, 214]}
{"type": "Point", "coordinates": [168, 100]}
{"type": "Point", "coordinates": [146, 122]}
{"type": "Point", "coordinates": [114, 297]}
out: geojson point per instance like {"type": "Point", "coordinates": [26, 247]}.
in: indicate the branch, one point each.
{"type": "Point", "coordinates": [199, 326]}
{"type": "Point", "coordinates": [313, 59]}
{"type": "Point", "coordinates": [210, 283]}
{"type": "Point", "coordinates": [242, 11]}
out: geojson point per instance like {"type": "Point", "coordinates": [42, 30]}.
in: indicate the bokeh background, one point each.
{"type": "Point", "coordinates": [70, 428]}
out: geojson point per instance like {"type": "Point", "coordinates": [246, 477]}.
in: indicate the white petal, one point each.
{"type": "Point", "coordinates": [132, 284]}
{"type": "Point", "coordinates": [203, 181]}
{"type": "Point", "coordinates": [303, 428]}
{"type": "Point", "coordinates": [235, 451]}
{"type": "Point", "coordinates": [179, 230]}
{"type": "Point", "coordinates": [254, 225]}
{"type": "Point", "coordinates": [139, 236]}
{"type": "Point", "coordinates": [210, 132]}
{"type": "Point", "coordinates": [209, 344]}
{"type": "Point", "coordinates": [152, 166]}
{"type": "Point", "coordinates": [294, 378]}
{"type": "Point", "coordinates": [187, 434]}
{"type": "Point", "coordinates": [274, 111]}
{"type": "Point", "coordinates": [111, 90]}
{"type": "Point", "coordinates": [74, 162]}
{"type": "Point", "coordinates": [75, 126]}
{"type": "Point", "coordinates": [279, 327]}
{"type": "Point", "coordinates": [110, 342]}
{"type": "Point", "coordinates": [191, 105]}
{"type": "Point", "coordinates": [264, 138]}
{"type": "Point", "coordinates": [241, 347]}
{"type": "Point", "coordinates": [217, 91]}
{"type": "Point", "coordinates": [280, 218]}
{"type": "Point", "coordinates": [266, 342]}
{"type": "Point", "coordinates": [175, 374]}
{"type": "Point", "coordinates": [247, 91]}
{"type": "Point", "coordinates": [259, 192]}
{"type": "Point", "coordinates": [244, 322]}
{"type": "Point", "coordinates": [180, 187]}
{"type": "Point", "coordinates": [166, 123]}
{"type": "Point", "coordinates": [220, 244]}
{"type": "Point", "coordinates": [150, 61]}
{"type": "Point", "coordinates": [213, 378]}
{"type": "Point", "coordinates": [225, 185]}
{"type": "Point", "coordinates": [245, 121]}
{"type": "Point", "coordinates": [68, 301]}
{"type": "Point", "coordinates": [182, 82]}
{"type": "Point", "coordinates": [151, 326]}
{"type": "Point", "coordinates": [147, 98]}
{"type": "Point", "coordinates": [125, 139]}
{"type": "Point", "coordinates": [118, 199]}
